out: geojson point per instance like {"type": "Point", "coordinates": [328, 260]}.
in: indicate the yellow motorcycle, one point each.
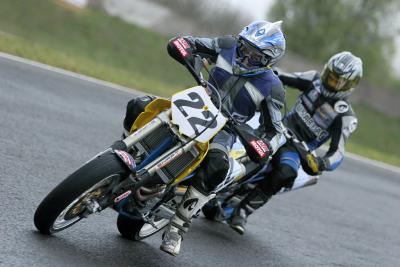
{"type": "Point", "coordinates": [144, 176]}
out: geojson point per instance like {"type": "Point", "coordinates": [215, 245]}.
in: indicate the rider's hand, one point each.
{"type": "Point", "coordinates": [179, 49]}
{"type": "Point", "coordinates": [316, 164]}
{"type": "Point", "coordinates": [321, 163]}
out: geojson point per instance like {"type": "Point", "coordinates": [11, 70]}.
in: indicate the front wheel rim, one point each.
{"type": "Point", "coordinates": [62, 222]}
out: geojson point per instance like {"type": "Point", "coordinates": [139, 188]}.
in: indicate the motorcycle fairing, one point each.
{"type": "Point", "coordinates": [151, 111]}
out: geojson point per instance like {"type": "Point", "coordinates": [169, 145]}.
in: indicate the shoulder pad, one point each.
{"type": "Point", "coordinates": [344, 108]}
{"type": "Point", "coordinates": [226, 41]}
{"type": "Point", "coordinates": [278, 93]}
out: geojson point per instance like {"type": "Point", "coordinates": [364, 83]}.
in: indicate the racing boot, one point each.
{"type": "Point", "coordinates": [254, 200]}
{"type": "Point", "coordinates": [179, 224]}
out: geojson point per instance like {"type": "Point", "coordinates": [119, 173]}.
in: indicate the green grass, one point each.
{"type": "Point", "coordinates": [377, 136]}
{"type": "Point", "coordinates": [92, 43]}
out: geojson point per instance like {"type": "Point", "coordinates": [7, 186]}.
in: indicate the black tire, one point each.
{"type": "Point", "coordinates": [132, 228]}
{"type": "Point", "coordinates": [106, 165]}
{"type": "Point", "coordinates": [210, 211]}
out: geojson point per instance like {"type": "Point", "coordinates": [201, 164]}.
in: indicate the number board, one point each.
{"type": "Point", "coordinates": [193, 112]}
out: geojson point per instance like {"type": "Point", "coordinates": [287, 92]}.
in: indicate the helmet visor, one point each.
{"type": "Point", "coordinates": [336, 83]}
{"type": "Point", "coordinates": [250, 56]}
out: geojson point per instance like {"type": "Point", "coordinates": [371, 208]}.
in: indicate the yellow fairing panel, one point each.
{"type": "Point", "coordinates": [152, 110]}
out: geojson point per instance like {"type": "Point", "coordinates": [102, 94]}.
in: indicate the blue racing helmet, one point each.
{"type": "Point", "coordinates": [260, 45]}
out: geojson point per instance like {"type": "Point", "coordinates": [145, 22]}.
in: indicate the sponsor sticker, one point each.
{"type": "Point", "coordinates": [170, 158]}
{"type": "Point", "coordinates": [181, 48]}
{"type": "Point", "coordinates": [341, 106]}
{"type": "Point", "coordinates": [301, 111]}
{"type": "Point", "coordinates": [263, 146]}
{"type": "Point", "coordinates": [127, 158]}
{"type": "Point", "coordinates": [260, 147]}
{"type": "Point", "coordinates": [183, 43]}
{"type": "Point", "coordinates": [190, 203]}
{"type": "Point", "coordinates": [260, 32]}
{"type": "Point", "coordinates": [122, 196]}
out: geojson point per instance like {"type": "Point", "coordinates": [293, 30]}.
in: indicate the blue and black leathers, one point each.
{"type": "Point", "coordinates": [242, 96]}
{"type": "Point", "coordinates": [317, 116]}
{"type": "Point", "coordinates": [314, 119]}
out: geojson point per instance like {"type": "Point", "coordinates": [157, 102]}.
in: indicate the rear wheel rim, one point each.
{"type": "Point", "coordinates": [63, 221]}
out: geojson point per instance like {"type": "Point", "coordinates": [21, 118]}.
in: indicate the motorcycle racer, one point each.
{"type": "Point", "coordinates": [244, 78]}
{"type": "Point", "coordinates": [321, 112]}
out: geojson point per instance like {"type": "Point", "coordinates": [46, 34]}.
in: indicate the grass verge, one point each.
{"type": "Point", "coordinates": [90, 42]}
{"type": "Point", "coordinates": [95, 44]}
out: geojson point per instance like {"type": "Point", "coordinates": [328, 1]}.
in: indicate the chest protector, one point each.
{"type": "Point", "coordinates": [316, 113]}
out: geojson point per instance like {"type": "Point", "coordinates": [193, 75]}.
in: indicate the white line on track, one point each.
{"type": "Point", "coordinates": [374, 163]}
{"type": "Point", "coordinates": [69, 73]}
{"type": "Point", "coordinates": [136, 92]}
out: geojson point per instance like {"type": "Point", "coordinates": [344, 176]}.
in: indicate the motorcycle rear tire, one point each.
{"type": "Point", "coordinates": [210, 211]}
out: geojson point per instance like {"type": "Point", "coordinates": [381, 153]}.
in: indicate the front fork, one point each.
{"type": "Point", "coordinates": [134, 188]}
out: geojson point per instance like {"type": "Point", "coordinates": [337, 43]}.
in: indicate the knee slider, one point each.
{"type": "Point", "coordinates": [215, 168]}
{"type": "Point", "coordinates": [284, 177]}
{"type": "Point", "coordinates": [288, 172]}
{"type": "Point", "coordinates": [217, 161]}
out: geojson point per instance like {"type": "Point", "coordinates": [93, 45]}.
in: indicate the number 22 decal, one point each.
{"type": "Point", "coordinates": [197, 103]}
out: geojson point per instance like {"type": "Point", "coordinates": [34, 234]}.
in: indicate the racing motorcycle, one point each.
{"type": "Point", "coordinates": [228, 197]}
{"type": "Point", "coordinates": [144, 176]}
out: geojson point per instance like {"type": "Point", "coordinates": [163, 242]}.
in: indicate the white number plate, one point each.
{"type": "Point", "coordinates": [195, 114]}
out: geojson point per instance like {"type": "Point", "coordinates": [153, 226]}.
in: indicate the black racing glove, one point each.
{"type": "Point", "coordinates": [180, 49]}
{"type": "Point", "coordinates": [321, 163]}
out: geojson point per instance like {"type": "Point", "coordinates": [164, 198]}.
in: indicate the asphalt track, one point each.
{"type": "Point", "coordinates": [50, 123]}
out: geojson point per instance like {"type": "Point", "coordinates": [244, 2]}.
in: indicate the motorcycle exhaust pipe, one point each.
{"type": "Point", "coordinates": [145, 193]}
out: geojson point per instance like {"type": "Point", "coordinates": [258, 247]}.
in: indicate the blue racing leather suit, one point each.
{"type": "Point", "coordinates": [317, 116]}
{"type": "Point", "coordinates": [242, 96]}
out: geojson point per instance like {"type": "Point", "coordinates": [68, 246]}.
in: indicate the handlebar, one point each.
{"type": "Point", "coordinates": [195, 70]}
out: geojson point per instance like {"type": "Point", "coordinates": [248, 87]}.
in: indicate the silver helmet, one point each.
{"type": "Point", "coordinates": [341, 74]}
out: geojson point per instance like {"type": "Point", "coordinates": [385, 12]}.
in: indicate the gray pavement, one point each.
{"type": "Point", "coordinates": [51, 123]}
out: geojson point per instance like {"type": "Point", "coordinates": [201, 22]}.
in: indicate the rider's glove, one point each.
{"type": "Point", "coordinates": [321, 163]}
{"type": "Point", "coordinates": [180, 49]}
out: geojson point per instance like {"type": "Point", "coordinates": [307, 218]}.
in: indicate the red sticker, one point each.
{"type": "Point", "coordinates": [183, 43]}
{"type": "Point", "coordinates": [257, 148]}
{"type": "Point", "coordinates": [122, 196]}
{"type": "Point", "coordinates": [263, 146]}
{"type": "Point", "coordinates": [180, 48]}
